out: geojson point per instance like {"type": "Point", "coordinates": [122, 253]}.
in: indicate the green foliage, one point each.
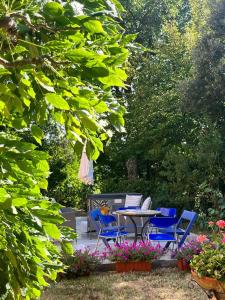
{"type": "Point", "coordinates": [179, 153]}
{"type": "Point", "coordinates": [69, 191]}
{"type": "Point", "coordinates": [56, 64]}
{"type": "Point", "coordinates": [204, 93]}
{"type": "Point", "coordinates": [81, 263]}
{"type": "Point", "coordinates": [211, 261]}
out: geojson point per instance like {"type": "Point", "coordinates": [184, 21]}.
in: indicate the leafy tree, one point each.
{"type": "Point", "coordinates": [171, 147]}
{"type": "Point", "coordinates": [59, 60]}
{"type": "Point", "coordinates": [205, 92]}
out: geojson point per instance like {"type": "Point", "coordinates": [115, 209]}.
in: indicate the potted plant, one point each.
{"type": "Point", "coordinates": [133, 256]}
{"type": "Point", "coordinates": [81, 263]}
{"type": "Point", "coordinates": [208, 268]}
{"type": "Point", "coordinates": [186, 253]}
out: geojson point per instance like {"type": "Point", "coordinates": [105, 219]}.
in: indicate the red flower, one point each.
{"type": "Point", "coordinates": [220, 224]}
{"type": "Point", "coordinates": [202, 238]}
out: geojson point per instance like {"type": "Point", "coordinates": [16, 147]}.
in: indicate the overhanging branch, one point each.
{"type": "Point", "coordinates": [33, 61]}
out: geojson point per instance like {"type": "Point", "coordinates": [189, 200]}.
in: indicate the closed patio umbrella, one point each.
{"type": "Point", "coordinates": [86, 171]}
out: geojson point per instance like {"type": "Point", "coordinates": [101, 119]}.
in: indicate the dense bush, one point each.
{"type": "Point", "coordinates": [81, 263]}
{"type": "Point", "coordinates": [69, 191]}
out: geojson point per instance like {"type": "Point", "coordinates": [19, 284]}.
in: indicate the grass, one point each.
{"type": "Point", "coordinates": [168, 283]}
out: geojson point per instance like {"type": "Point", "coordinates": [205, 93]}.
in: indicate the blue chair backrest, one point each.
{"type": "Point", "coordinates": [94, 218]}
{"type": "Point", "coordinates": [163, 222]}
{"type": "Point", "coordinates": [190, 217]}
{"type": "Point", "coordinates": [106, 219]}
{"type": "Point", "coordinates": [97, 219]}
{"type": "Point", "coordinates": [167, 212]}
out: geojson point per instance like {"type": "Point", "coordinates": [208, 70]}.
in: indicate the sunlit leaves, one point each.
{"type": "Point", "coordinates": [53, 9]}
{"type": "Point", "coordinates": [79, 55]}
{"type": "Point", "coordinates": [57, 101]}
{"type": "Point", "coordinates": [37, 133]}
{"type": "Point", "coordinates": [58, 64]}
{"type": "Point", "coordinates": [94, 26]}
{"type": "Point", "coordinates": [52, 230]}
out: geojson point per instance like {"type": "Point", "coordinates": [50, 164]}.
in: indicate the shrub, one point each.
{"type": "Point", "coordinates": [82, 262]}
{"type": "Point", "coordinates": [211, 261]}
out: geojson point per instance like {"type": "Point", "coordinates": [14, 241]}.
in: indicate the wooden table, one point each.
{"type": "Point", "coordinates": [131, 213]}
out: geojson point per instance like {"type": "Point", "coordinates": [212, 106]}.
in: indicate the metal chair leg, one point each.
{"type": "Point", "coordinates": [96, 247]}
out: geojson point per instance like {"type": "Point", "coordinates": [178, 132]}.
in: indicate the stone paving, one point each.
{"type": "Point", "coordinates": [89, 240]}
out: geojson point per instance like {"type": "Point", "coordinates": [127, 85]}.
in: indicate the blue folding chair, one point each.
{"type": "Point", "coordinates": [165, 212]}
{"type": "Point", "coordinates": [163, 223]}
{"type": "Point", "coordinates": [106, 231]}
{"type": "Point", "coordinates": [183, 226]}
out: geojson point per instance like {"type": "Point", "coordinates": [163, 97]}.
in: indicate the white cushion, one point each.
{"type": "Point", "coordinates": [146, 204]}
{"type": "Point", "coordinates": [133, 200]}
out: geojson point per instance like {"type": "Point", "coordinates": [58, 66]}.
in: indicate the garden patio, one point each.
{"type": "Point", "coordinates": [102, 98]}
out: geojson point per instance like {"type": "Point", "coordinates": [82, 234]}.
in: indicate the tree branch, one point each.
{"type": "Point", "coordinates": [34, 61]}
{"type": "Point", "coordinates": [36, 27]}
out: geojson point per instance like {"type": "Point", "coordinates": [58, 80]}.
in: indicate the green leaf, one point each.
{"type": "Point", "coordinates": [97, 69]}
{"type": "Point", "coordinates": [3, 195]}
{"type": "Point", "coordinates": [19, 49]}
{"type": "Point", "coordinates": [90, 123]}
{"type": "Point", "coordinates": [43, 184]}
{"type": "Point", "coordinates": [67, 248]}
{"type": "Point", "coordinates": [92, 151]}
{"type": "Point", "coordinates": [98, 143]}
{"type": "Point", "coordinates": [52, 230]}
{"type": "Point", "coordinates": [43, 166]}
{"type": "Point", "coordinates": [101, 107]}
{"type": "Point", "coordinates": [112, 80]}
{"type": "Point", "coordinates": [93, 26]}
{"type": "Point", "coordinates": [57, 101]}
{"type": "Point", "coordinates": [45, 82]}
{"type": "Point", "coordinates": [78, 55]}
{"type": "Point", "coordinates": [58, 116]}
{"type": "Point", "coordinates": [18, 202]}
{"type": "Point", "coordinates": [37, 133]}
{"type": "Point", "coordinates": [53, 9]}
{"type": "Point", "coordinates": [4, 71]}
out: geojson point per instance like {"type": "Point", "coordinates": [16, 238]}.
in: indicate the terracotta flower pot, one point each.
{"type": "Point", "coordinates": [131, 266]}
{"type": "Point", "coordinates": [183, 265]}
{"type": "Point", "coordinates": [211, 284]}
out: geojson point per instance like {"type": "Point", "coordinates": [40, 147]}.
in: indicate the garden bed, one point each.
{"type": "Point", "coordinates": [161, 283]}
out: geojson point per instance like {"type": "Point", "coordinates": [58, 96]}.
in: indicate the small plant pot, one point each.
{"type": "Point", "coordinates": [183, 265]}
{"type": "Point", "coordinates": [133, 266]}
{"type": "Point", "coordinates": [209, 283]}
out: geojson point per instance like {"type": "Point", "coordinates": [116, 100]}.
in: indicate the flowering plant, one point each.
{"type": "Point", "coordinates": [186, 252]}
{"type": "Point", "coordinates": [133, 252]}
{"type": "Point", "coordinates": [211, 261]}
{"type": "Point", "coordinates": [82, 262]}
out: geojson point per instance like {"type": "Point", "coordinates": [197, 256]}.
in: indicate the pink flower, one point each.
{"type": "Point", "coordinates": [202, 238]}
{"type": "Point", "coordinates": [221, 224]}
{"type": "Point", "coordinates": [210, 223]}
